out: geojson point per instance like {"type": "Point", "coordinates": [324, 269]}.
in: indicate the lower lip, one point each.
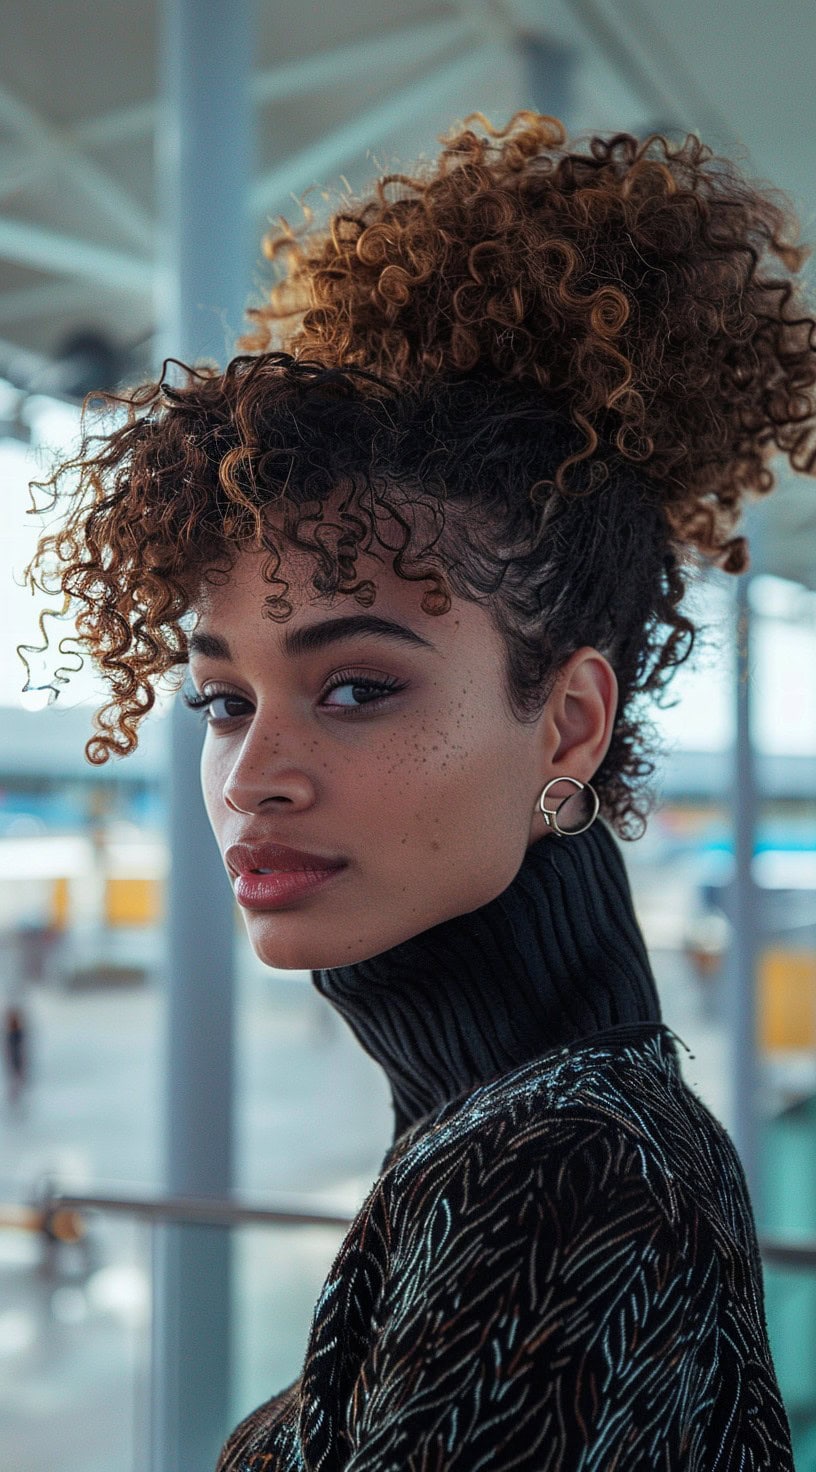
{"type": "Point", "coordinates": [275, 891]}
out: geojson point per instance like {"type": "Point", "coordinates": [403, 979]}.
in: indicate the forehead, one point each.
{"type": "Point", "coordinates": [240, 602]}
{"type": "Point", "coordinates": [239, 593]}
{"type": "Point", "coordinates": [233, 622]}
{"type": "Point", "coordinates": [290, 570]}
{"type": "Point", "coordinates": [231, 609]}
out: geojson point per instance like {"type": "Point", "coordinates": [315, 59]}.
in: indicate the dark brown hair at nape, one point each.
{"type": "Point", "coordinates": [547, 375]}
{"type": "Point", "coordinates": [439, 478]}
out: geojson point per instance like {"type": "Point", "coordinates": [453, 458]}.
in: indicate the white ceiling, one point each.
{"type": "Point", "coordinates": [340, 89]}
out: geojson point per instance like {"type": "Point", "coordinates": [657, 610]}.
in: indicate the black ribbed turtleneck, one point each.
{"type": "Point", "coordinates": [557, 956]}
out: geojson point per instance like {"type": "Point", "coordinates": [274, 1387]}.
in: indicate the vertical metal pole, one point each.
{"type": "Point", "coordinates": [204, 159]}
{"type": "Point", "coordinates": [742, 970]}
{"type": "Point", "coordinates": [548, 68]}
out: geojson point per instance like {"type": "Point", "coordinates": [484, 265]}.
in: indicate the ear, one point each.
{"type": "Point", "coordinates": [575, 729]}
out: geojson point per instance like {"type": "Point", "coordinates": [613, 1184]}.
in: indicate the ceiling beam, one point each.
{"type": "Point", "coordinates": [52, 149]}
{"type": "Point", "coordinates": [40, 300]}
{"type": "Point", "coordinates": [64, 255]}
{"type": "Point", "coordinates": [403, 48]}
{"type": "Point", "coordinates": [43, 249]}
{"type": "Point", "coordinates": [321, 161]}
{"type": "Point", "coordinates": [123, 125]}
{"type": "Point", "coordinates": [369, 56]}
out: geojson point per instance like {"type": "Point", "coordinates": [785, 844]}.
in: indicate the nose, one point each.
{"type": "Point", "coordinates": [290, 788]}
{"type": "Point", "coordinates": [262, 777]}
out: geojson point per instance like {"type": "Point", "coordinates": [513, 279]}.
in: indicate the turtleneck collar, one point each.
{"type": "Point", "coordinates": [556, 957]}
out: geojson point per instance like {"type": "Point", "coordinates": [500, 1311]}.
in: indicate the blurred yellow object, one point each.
{"type": "Point", "coordinates": [787, 1000]}
{"type": "Point", "coordinates": [133, 901]}
{"type": "Point", "coordinates": [60, 903]}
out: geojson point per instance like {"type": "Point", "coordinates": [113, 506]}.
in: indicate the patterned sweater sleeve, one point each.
{"type": "Point", "coordinates": [556, 1317]}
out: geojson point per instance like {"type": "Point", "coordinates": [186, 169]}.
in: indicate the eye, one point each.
{"type": "Point", "coordinates": [204, 703]}
{"type": "Point", "coordinates": [364, 691]}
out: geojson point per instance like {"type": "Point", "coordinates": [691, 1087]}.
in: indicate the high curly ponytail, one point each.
{"type": "Point", "coordinates": [642, 285]}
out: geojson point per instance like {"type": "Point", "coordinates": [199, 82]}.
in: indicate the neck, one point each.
{"type": "Point", "coordinates": [556, 957]}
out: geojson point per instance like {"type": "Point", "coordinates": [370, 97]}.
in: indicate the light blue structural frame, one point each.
{"type": "Point", "coordinates": [205, 166]}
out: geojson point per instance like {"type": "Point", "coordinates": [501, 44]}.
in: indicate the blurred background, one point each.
{"type": "Point", "coordinates": [183, 1131]}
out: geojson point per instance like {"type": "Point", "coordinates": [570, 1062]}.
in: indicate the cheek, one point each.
{"type": "Point", "coordinates": [450, 829]}
{"type": "Point", "coordinates": [466, 769]}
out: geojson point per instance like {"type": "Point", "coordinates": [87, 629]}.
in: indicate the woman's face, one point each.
{"type": "Point", "coordinates": [394, 754]}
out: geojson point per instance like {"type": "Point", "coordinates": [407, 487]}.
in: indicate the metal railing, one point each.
{"type": "Point", "coordinates": [211, 1212]}
{"type": "Point", "coordinates": [204, 1210]}
{"type": "Point", "coordinates": [167, 1210]}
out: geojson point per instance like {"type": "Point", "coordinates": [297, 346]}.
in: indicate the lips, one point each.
{"type": "Point", "coordinates": [248, 858]}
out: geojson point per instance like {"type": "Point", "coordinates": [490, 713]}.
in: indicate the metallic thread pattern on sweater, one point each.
{"type": "Point", "coordinates": [557, 1273]}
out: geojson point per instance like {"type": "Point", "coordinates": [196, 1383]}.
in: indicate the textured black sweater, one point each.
{"type": "Point", "coordinates": [556, 1267]}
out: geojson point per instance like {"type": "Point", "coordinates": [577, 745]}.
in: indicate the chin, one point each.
{"type": "Point", "coordinates": [288, 955]}
{"type": "Point", "coordinates": [303, 953]}
{"type": "Point", "coordinates": [291, 940]}
{"type": "Point", "coordinates": [310, 952]}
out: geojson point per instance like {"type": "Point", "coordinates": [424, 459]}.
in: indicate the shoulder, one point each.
{"type": "Point", "coordinates": [551, 1252]}
{"type": "Point", "coordinates": [551, 1268]}
{"type": "Point", "coordinates": [495, 1208]}
{"type": "Point", "coordinates": [611, 1118]}
{"type": "Point", "coordinates": [584, 1124]}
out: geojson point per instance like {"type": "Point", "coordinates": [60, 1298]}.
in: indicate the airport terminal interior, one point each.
{"type": "Point", "coordinates": [87, 953]}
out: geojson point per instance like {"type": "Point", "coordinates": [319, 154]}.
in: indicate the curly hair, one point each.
{"type": "Point", "coordinates": [577, 359]}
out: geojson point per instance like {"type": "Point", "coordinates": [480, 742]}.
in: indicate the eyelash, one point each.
{"type": "Point", "coordinates": [388, 685]}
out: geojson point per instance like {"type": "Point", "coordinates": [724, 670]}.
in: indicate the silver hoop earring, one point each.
{"type": "Point", "coordinates": [551, 818]}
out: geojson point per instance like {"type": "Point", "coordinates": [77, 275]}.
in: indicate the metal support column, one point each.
{"type": "Point", "coordinates": [204, 157]}
{"type": "Point", "coordinates": [746, 920]}
{"type": "Point", "coordinates": [549, 68]}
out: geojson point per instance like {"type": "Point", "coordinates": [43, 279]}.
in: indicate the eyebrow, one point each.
{"type": "Point", "coordinates": [313, 637]}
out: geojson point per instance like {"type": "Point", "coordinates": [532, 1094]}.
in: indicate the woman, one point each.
{"type": "Point", "coordinates": [423, 551]}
